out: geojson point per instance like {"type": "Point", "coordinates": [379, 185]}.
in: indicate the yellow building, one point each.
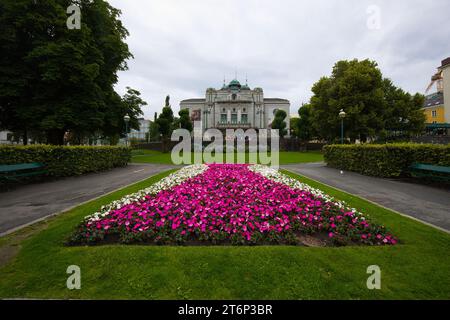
{"type": "Point", "coordinates": [437, 105]}
{"type": "Point", "coordinates": [434, 108]}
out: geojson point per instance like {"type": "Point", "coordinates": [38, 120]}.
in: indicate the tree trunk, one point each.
{"type": "Point", "coordinates": [25, 137]}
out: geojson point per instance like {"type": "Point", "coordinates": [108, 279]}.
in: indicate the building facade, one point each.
{"type": "Point", "coordinates": [236, 106]}
{"type": "Point", "coordinates": [437, 105]}
{"type": "Point", "coordinates": [142, 133]}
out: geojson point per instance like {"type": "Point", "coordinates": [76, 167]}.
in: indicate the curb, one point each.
{"type": "Point", "coordinates": [375, 203]}
{"type": "Point", "coordinates": [15, 229]}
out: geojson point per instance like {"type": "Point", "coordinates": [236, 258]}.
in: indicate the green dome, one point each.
{"type": "Point", "coordinates": [234, 84]}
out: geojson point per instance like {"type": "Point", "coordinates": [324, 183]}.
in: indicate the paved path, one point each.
{"type": "Point", "coordinates": [33, 202]}
{"type": "Point", "coordinates": [425, 203]}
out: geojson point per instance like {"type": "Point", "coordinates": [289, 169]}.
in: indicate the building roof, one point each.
{"type": "Point", "coordinates": [276, 100]}
{"type": "Point", "coordinates": [199, 100]}
{"type": "Point", "coordinates": [433, 100]}
{"type": "Point", "coordinates": [445, 62]}
{"type": "Point", "coordinates": [438, 125]}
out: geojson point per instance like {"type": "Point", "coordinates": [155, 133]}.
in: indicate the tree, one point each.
{"type": "Point", "coordinates": [185, 120]}
{"type": "Point", "coordinates": [294, 126]}
{"type": "Point", "coordinates": [356, 87]}
{"type": "Point", "coordinates": [153, 131]}
{"type": "Point", "coordinates": [56, 80]}
{"type": "Point", "coordinates": [167, 101]}
{"type": "Point", "coordinates": [280, 123]}
{"type": "Point", "coordinates": [373, 104]}
{"type": "Point", "coordinates": [132, 105]}
{"type": "Point", "coordinates": [165, 120]}
{"type": "Point", "coordinates": [304, 125]}
{"type": "Point", "coordinates": [403, 112]}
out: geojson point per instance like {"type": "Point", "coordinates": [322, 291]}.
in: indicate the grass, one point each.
{"type": "Point", "coordinates": [149, 156]}
{"type": "Point", "coordinates": [417, 268]}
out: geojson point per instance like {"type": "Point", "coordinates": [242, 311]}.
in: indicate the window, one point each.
{"type": "Point", "coordinates": [234, 118]}
{"type": "Point", "coordinates": [223, 118]}
{"type": "Point", "coordinates": [234, 96]}
{"type": "Point", "coordinates": [434, 113]}
{"type": "Point", "coordinates": [244, 118]}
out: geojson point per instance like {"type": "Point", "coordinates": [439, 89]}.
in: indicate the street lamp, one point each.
{"type": "Point", "coordinates": [206, 113]}
{"type": "Point", "coordinates": [342, 115]}
{"type": "Point", "coordinates": [126, 118]}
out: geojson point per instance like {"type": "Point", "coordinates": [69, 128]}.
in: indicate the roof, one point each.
{"type": "Point", "coordinates": [438, 125]}
{"type": "Point", "coordinates": [276, 100]}
{"type": "Point", "coordinates": [435, 99]}
{"type": "Point", "coordinates": [445, 62]}
{"type": "Point", "coordinates": [199, 100]}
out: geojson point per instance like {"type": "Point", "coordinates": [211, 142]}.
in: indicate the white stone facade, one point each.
{"type": "Point", "coordinates": [446, 84]}
{"type": "Point", "coordinates": [236, 107]}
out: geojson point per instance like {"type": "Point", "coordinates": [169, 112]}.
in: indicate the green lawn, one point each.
{"type": "Point", "coordinates": [417, 268]}
{"type": "Point", "coordinates": [148, 156]}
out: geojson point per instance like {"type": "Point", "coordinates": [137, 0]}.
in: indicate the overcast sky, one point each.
{"type": "Point", "coordinates": [182, 47]}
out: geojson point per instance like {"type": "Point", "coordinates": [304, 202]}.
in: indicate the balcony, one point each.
{"type": "Point", "coordinates": [233, 125]}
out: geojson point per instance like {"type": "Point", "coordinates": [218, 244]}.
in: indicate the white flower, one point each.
{"type": "Point", "coordinates": [277, 176]}
{"type": "Point", "coordinates": [168, 182]}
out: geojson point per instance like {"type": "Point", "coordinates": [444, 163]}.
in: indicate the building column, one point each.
{"type": "Point", "coordinates": [228, 115]}
{"type": "Point", "coordinates": [239, 116]}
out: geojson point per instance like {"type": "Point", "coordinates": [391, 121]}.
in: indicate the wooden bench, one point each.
{"type": "Point", "coordinates": [14, 171]}
{"type": "Point", "coordinates": [430, 171]}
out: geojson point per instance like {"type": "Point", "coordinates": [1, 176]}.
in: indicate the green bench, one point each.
{"type": "Point", "coordinates": [422, 170]}
{"type": "Point", "coordinates": [15, 171]}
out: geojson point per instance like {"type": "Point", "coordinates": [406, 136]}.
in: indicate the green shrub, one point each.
{"type": "Point", "coordinates": [387, 160]}
{"type": "Point", "coordinates": [62, 161]}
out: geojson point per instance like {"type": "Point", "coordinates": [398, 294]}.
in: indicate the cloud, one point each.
{"type": "Point", "coordinates": [183, 47]}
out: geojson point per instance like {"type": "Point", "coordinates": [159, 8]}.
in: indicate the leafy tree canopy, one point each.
{"type": "Point", "coordinates": [56, 80]}
{"type": "Point", "coordinates": [373, 104]}
{"type": "Point", "coordinates": [304, 125]}
{"type": "Point", "coordinates": [280, 123]}
{"type": "Point", "coordinates": [165, 121]}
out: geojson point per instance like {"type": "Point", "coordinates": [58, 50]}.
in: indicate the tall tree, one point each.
{"type": "Point", "coordinates": [374, 106]}
{"type": "Point", "coordinates": [165, 121]}
{"type": "Point", "coordinates": [294, 126]}
{"type": "Point", "coordinates": [280, 123]}
{"type": "Point", "coordinates": [185, 120]}
{"type": "Point", "coordinates": [56, 80]}
{"type": "Point", "coordinates": [304, 125]}
{"type": "Point", "coordinates": [403, 112]}
{"type": "Point", "coordinates": [355, 86]}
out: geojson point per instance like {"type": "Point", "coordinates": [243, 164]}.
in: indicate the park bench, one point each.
{"type": "Point", "coordinates": [15, 171]}
{"type": "Point", "coordinates": [430, 171]}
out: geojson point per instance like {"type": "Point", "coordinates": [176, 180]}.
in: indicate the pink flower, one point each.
{"type": "Point", "coordinates": [230, 201]}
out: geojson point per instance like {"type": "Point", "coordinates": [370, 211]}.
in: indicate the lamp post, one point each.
{"type": "Point", "coordinates": [126, 118]}
{"type": "Point", "coordinates": [206, 113]}
{"type": "Point", "coordinates": [342, 115]}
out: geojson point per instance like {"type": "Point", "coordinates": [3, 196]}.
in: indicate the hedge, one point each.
{"type": "Point", "coordinates": [387, 160]}
{"type": "Point", "coordinates": [62, 161]}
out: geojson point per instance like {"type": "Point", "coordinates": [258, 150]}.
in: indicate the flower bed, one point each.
{"type": "Point", "coordinates": [229, 204]}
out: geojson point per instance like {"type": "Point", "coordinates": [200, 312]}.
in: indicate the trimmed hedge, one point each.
{"type": "Point", "coordinates": [62, 161]}
{"type": "Point", "coordinates": [387, 160]}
